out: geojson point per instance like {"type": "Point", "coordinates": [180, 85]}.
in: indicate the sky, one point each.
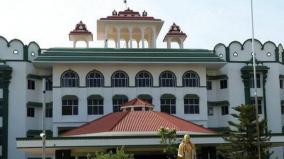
{"type": "Point", "coordinates": [206, 22]}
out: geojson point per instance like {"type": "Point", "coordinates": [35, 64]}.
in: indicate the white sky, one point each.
{"type": "Point", "coordinates": [206, 22]}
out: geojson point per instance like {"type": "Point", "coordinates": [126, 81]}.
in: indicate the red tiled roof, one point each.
{"type": "Point", "coordinates": [136, 121]}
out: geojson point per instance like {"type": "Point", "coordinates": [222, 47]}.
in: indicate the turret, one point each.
{"type": "Point", "coordinates": [129, 26]}
{"type": "Point", "coordinates": [175, 35]}
{"type": "Point", "coordinates": [80, 33]}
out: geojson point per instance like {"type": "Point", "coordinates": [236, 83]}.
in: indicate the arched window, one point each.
{"type": "Point", "coordinates": [190, 79]}
{"type": "Point", "coordinates": [145, 97]}
{"type": "Point", "coordinates": [167, 79]}
{"type": "Point", "coordinates": [168, 103]}
{"type": "Point", "coordinates": [143, 79]}
{"type": "Point", "coordinates": [95, 105]}
{"type": "Point", "coordinates": [95, 79]}
{"type": "Point", "coordinates": [119, 79]}
{"type": "Point", "coordinates": [191, 104]}
{"type": "Point", "coordinates": [118, 101]}
{"type": "Point", "coordinates": [69, 79]}
{"type": "Point", "coordinates": [69, 105]}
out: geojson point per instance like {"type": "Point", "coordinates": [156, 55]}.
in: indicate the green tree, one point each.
{"type": "Point", "coordinates": [120, 154]}
{"type": "Point", "coordinates": [168, 138]}
{"type": "Point", "coordinates": [242, 135]}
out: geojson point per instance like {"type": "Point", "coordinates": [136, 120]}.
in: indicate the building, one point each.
{"type": "Point", "coordinates": [84, 84]}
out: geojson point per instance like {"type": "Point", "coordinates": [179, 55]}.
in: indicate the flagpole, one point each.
{"type": "Point", "coordinates": [255, 84]}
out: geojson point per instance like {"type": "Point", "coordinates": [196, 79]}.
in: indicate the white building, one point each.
{"type": "Point", "coordinates": [83, 84]}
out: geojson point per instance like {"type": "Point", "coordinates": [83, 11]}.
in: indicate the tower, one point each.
{"type": "Point", "coordinates": [175, 35]}
{"type": "Point", "coordinates": [129, 26]}
{"type": "Point", "coordinates": [80, 33]}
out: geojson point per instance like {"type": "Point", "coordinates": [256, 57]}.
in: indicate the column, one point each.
{"type": "Point", "coordinates": [130, 36]}
{"type": "Point", "coordinates": [118, 37]}
{"type": "Point", "coordinates": [74, 43]}
{"type": "Point", "coordinates": [5, 72]}
{"type": "Point", "coordinates": [246, 81]}
{"type": "Point", "coordinates": [127, 43]}
{"type": "Point", "coordinates": [87, 43]}
{"type": "Point", "coordinates": [154, 37]}
{"type": "Point", "coordinates": [181, 45]}
{"type": "Point", "coordinates": [169, 43]}
{"type": "Point", "coordinates": [142, 37]}
{"type": "Point", "coordinates": [106, 37]}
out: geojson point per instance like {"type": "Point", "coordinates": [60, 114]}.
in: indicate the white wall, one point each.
{"type": "Point", "coordinates": [130, 92]}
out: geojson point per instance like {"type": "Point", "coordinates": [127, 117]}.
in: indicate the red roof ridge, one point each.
{"type": "Point", "coordinates": [207, 129]}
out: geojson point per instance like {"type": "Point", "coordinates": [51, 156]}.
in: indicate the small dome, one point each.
{"type": "Point", "coordinates": [137, 105]}
{"type": "Point", "coordinates": [80, 28]}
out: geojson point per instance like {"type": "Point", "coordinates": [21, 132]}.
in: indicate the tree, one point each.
{"type": "Point", "coordinates": [242, 135]}
{"type": "Point", "coordinates": [168, 138]}
{"type": "Point", "coordinates": [120, 154]}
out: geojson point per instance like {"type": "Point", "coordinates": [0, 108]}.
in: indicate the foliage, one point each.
{"type": "Point", "coordinates": [168, 138]}
{"type": "Point", "coordinates": [242, 136]}
{"type": "Point", "coordinates": [120, 154]}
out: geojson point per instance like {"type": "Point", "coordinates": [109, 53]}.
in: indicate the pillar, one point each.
{"type": "Point", "coordinates": [130, 37]}
{"type": "Point", "coordinates": [127, 43]}
{"type": "Point", "coordinates": [154, 37]}
{"type": "Point", "coordinates": [118, 38]}
{"type": "Point", "coordinates": [74, 43]}
{"type": "Point", "coordinates": [87, 43]}
{"type": "Point", "coordinates": [143, 37]}
{"type": "Point", "coordinates": [169, 43]}
{"type": "Point", "coordinates": [106, 37]}
{"type": "Point", "coordinates": [5, 75]}
{"type": "Point", "coordinates": [181, 45]}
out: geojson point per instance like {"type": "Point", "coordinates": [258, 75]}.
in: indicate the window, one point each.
{"type": "Point", "coordinates": [30, 112]}
{"type": "Point", "coordinates": [145, 97]}
{"type": "Point", "coordinates": [225, 110]}
{"type": "Point", "coordinates": [259, 104]}
{"type": "Point", "coordinates": [281, 83]}
{"type": "Point", "coordinates": [209, 85]}
{"type": "Point", "coordinates": [168, 104]}
{"type": "Point", "coordinates": [143, 79]}
{"type": "Point", "coordinates": [282, 109]}
{"type": "Point", "coordinates": [223, 84]}
{"type": "Point", "coordinates": [95, 79]}
{"type": "Point", "coordinates": [190, 79]}
{"type": "Point", "coordinates": [258, 85]}
{"type": "Point", "coordinates": [95, 105]}
{"type": "Point", "coordinates": [31, 84]}
{"type": "Point", "coordinates": [48, 111]}
{"type": "Point", "coordinates": [191, 105]}
{"type": "Point", "coordinates": [119, 79]}
{"type": "Point", "coordinates": [48, 85]}
{"type": "Point", "coordinates": [69, 79]}
{"type": "Point", "coordinates": [210, 111]}
{"type": "Point", "coordinates": [70, 105]}
{"type": "Point", "coordinates": [167, 79]}
{"type": "Point", "coordinates": [117, 101]}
